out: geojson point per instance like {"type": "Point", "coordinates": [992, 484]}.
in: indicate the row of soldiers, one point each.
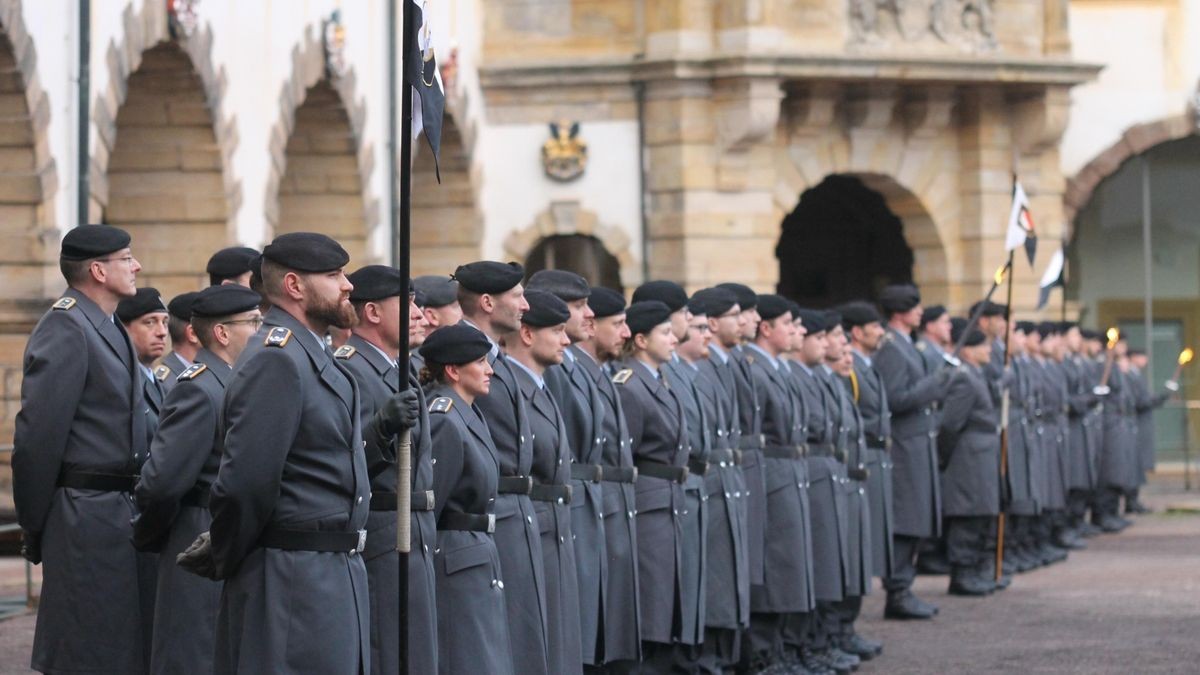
{"type": "Point", "coordinates": [703, 483]}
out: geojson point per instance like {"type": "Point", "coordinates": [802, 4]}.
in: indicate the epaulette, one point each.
{"type": "Point", "coordinates": [887, 337]}
{"type": "Point", "coordinates": [161, 373]}
{"type": "Point", "coordinates": [63, 303]}
{"type": "Point", "coordinates": [344, 352]}
{"type": "Point", "coordinates": [622, 376]}
{"type": "Point", "coordinates": [278, 337]}
{"type": "Point", "coordinates": [441, 404]}
{"type": "Point", "coordinates": [191, 372]}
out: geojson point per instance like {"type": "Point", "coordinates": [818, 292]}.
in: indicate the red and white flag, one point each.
{"type": "Point", "coordinates": [1020, 224]}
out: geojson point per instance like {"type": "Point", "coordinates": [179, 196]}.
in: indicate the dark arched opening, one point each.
{"type": "Point", "coordinates": [579, 253]}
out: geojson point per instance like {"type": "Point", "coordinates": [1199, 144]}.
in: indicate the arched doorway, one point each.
{"type": "Point", "coordinates": [447, 224]}
{"type": "Point", "coordinates": [165, 174]}
{"type": "Point", "coordinates": [321, 189]}
{"type": "Point", "coordinates": [582, 254]}
{"type": "Point", "coordinates": [842, 242]}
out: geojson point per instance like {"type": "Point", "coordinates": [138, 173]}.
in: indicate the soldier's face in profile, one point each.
{"type": "Point", "coordinates": [728, 328]}
{"type": "Point", "coordinates": [781, 333]}
{"type": "Point", "coordinates": [812, 351]}
{"type": "Point", "coordinates": [547, 344]}
{"type": "Point", "coordinates": [750, 326]}
{"type": "Point", "coordinates": [239, 328]}
{"type": "Point", "coordinates": [474, 378]}
{"type": "Point", "coordinates": [835, 344]}
{"type": "Point", "coordinates": [869, 335]}
{"type": "Point", "coordinates": [611, 334]}
{"type": "Point", "coordinates": [660, 342]}
{"type": "Point", "coordinates": [582, 324]}
{"type": "Point", "coordinates": [387, 311]}
{"type": "Point", "coordinates": [327, 299]}
{"type": "Point", "coordinates": [699, 336]}
{"type": "Point", "coordinates": [418, 327]}
{"type": "Point", "coordinates": [120, 270]}
{"type": "Point", "coordinates": [679, 324]}
{"type": "Point", "coordinates": [508, 308]}
{"type": "Point", "coordinates": [148, 333]}
{"type": "Point", "coordinates": [939, 329]}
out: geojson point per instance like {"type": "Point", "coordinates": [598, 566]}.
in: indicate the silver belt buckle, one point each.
{"type": "Point", "coordinates": [491, 528]}
{"type": "Point", "coordinates": [362, 542]}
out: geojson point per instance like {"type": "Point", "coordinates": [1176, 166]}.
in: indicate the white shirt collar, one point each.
{"type": "Point", "coordinates": [770, 359]}
{"type": "Point", "coordinates": [537, 379]}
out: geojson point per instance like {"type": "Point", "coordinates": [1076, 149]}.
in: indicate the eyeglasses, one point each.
{"type": "Point", "coordinates": [257, 323]}
{"type": "Point", "coordinates": [128, 260]}
{"type": "Point", "coordinates": [703, 327]}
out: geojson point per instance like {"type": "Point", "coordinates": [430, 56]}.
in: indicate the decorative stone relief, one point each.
{"type": "Point", "coordinates": [965, 24]}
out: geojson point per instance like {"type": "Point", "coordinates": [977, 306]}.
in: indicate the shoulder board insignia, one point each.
{"type": "Point", "coordinates": [191, 372]}
{"type": "Point", "coordinates": [344, 352]}
{"type": "Point", "coordinates": [278, 337]}
{"type": "Point", "coordinates": [161, 373]}
{"type": "Point", "coordinates": [622, 376]}
{"type": "Point", "coordinates": [64, 303]}
{"type": "Point", "coordinates": [441, 404]}
{"type": "Point", "coordinates": [921, 346]}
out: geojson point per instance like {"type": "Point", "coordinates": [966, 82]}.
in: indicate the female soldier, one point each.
{"type": "Point", "coordinates": [472, 625]}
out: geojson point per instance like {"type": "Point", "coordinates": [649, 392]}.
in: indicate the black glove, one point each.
{"type": "Point", "coordinates": [398, 413]}
{"type": "Point", "coordinates": [198, 558]}
{"type": "Point", "coordinates": [31, 546]}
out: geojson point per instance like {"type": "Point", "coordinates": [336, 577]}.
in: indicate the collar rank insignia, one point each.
{"type": "Point", "coordinates": [441, 404]}
{"type": "Point", "coordinates": [622, 376]}
{"type": "Point", "coordinates": [278, 337]}
{"type": "Point", "coordinates": [161, 373]}
{"type": "Point", "coordinates": [750, 359]}
{"type": "Point", "coordinates": [921, 346]}
{"type": "Point", "coordinates": [64, 303]}
{"type": "Point", "coordinates": [191, 372]}
{"type": "Point", "coordinates": [344, 352]}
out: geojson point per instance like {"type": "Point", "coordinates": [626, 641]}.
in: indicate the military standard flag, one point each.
{"type": "Point", "coordinates": [429, 99]}
{"type": "Point", "coordinates": [1020, 224]}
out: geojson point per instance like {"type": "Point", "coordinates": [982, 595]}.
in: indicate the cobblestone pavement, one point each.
{"type": "Point", "coordinates": [1128, 604]}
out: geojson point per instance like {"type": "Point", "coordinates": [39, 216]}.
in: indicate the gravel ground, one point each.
{"type": "Point", "coordinates": [1128, 604]}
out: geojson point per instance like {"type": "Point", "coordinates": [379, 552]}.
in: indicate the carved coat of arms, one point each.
{"type": "Point", "coordinates": [564, 155]}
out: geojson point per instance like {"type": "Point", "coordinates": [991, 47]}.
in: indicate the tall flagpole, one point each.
{"type": "Point", "coordinates": [1004, 399]}
{"type": "Point", "coordinates": [401, 213]}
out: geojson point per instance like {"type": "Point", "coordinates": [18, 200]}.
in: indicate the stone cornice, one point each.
{"type": "Point", "coordinates": [808, 67]}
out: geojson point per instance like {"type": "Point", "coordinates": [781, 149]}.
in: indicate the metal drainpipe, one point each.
{"type": "Point", "coordinates": [82, 154]}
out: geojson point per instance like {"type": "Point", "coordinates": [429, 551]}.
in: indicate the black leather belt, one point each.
{"type": "Point", "coordinates": [104, 482]}
{"type": "Point", "coordinates": [471, 522]}
{"type": "Point", "coordinates": [514, 485]}
{"type": "Point", "coordinates": [587, 472]}
{"type": "Point", "coordinates": [314, 540]}
{"type": "Point", "coordinates": [697, 466]}
{"type": "Point", "coordinates": [551, 493]}
{"type": "Point", "coordinates": [885, 444]}
{"type": "Point", "coordinates": [382, 500]}
{"type": "Point", "coordinates": [858, 474]}
{"type": "Point", "coordinates": [725, 457]}
{"type": "Point", "coordinates": [785, 451]}
{"type": "Point", "coordinates": [821, 449]}
{"type": "Point", "coordinates": [620, 474]}
{"type": "Point", "coordinates": [649, 467]}
{"type": "Point", "coordinates": [751, 442]}
{"type": "Point", "coordinates": [198, 496]}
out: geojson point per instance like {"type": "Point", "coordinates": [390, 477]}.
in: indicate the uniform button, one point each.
{"type": "Point", "coordinates": [426, 546]}
{"type": "Point", "coordinates": [674, 512]}
{"type": "Point", "coordinates": [360, 499]}
{"type": "Point", "coordinates": [522, 438]}
{"type": "Point", "coordinates": [560, 462]}
{"type": "Point", "coordinates": [726, 495]}
{"type": "Point", "coordinates": [560, 501]}
{"type": "Point", "coordinates": [491, 499]}
{"type": "Point", "coordinates": [433, 461]}
{"type": "Point", "coordinates": [737, 495]}
{"type": "Point", "coordinates": [630, 514]}
{"type": "Point", "coordinates": [601, 516]}
{"type": "Point", "coordinates": [529, 519]}
{"type": "Point", "coordinates": [496, 583]}
{"type": "Point", "coordinates": [561, 540]}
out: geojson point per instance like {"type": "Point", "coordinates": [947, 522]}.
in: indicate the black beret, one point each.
{"type": "Point", "coordinates": [606, 302]}
{"type": "Point", "coordinates": [1089, 334]}
{"type": "Point", "coordinates": [455, 345]}
{"type": "Point", "coordinates": [306, 252]}
{"type": "Point", "coordinates": [231, 262]}
{"type": "Point", "coordinates": [859, 313]}
{"type": "Point", "coordinates": [545, 309]}
{"type": "Point", "coordinates": [1048, 328]}
{"type": "Point", "coordinates": [489, 276]}
{"type": "Point", "coordinates": [813, 320]}
{"type": "Point", "coordinates": [643, 316]}
{"type": "Point", "coordinates": [568, 286]}
{"type": "Point", "coordinates": [376, 282]}
{"type": "Point", "coordinates": [975, 337]}
{"type": "Point", "coordinates": [713, 301]}
{"type": "Point", "coordinates": [145, 301]}
{"type": "Point", "coordinates": [957, 323]}
{"type": "Point", "coordinates": [932, 313]}
{"type": "Point", "coordinates": [833, 319]}
{"type": "Point", "coordinates": [772, 306]}
{"type": "Point", "coordinates": [746, 297]}
{"type": "Point", "coordinates": [226, 300]}
{"type": "Point", "coordinates": [180, 306]}
{"type": "Point", "coordinates": [436, 290]}
{"type": "Point", "coordinates": [898, 298]}
{"type": "Point", "coordinates": [987, 308]}
{"type": "Point", "coordinates": [93, 241]}
{"type": "Point", "coordinates": [1066, 326]}
{"type": "Point", "coordinates": [669, 293]}
{"type": "Point", "coordinates": [1025, 327]}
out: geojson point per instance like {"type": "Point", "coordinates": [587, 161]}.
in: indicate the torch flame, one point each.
{"type": "Point", "coordinates": [1001, 272]}
{"type": "Point", "coordinates": [1113, 335]}
{"type": "Point", "coordinates": [1185, 356]}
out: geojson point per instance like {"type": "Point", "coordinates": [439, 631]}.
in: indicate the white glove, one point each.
{"type": "Point", "coordinates": [1101, 390]}
{"type": "Point", "coordinates": [1171, 385]}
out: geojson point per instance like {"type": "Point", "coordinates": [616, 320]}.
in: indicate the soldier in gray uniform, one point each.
{"type": "Point", "coordinates": [145, 318]}
{"type": "Point", "coordinates": [1081, 401]}
{"type": "Point", "coordinates": [1051, 417]}
{"type": "Point", "coordinates": [184, 343]}
{"type": "Point", "coordinates": [933, 338]}
{"type": "Point", "coordinates": [440, 305]}
{"type": "Point", "coordinates": [1117, 468]}
{"type": "Point", "coordinates": [1025, 478]}
{"type": "Point", "coordinates": [787, 594]}
{"type": "Point", "coordinates": [80, 439]}
{"type": "Point", "coordinates": [493, 300]}
{"type": "Point", "coordinates": [539, 344]}
{"type": "Point", "coordinates": [473, 631]}
{"type": "Point", "coordinates": [659, 432]}
{"type": "Point", "coordinates": [695, 509]}
{"type": "Point", "coordinates": [173, 492]}
{"type": "Point", "coordinates": [289, 505]}
{"type": "Point", "coordinates": [370, 356]}
{"type": "Point", "coordinates": [621, 629]}
{"type": "Point", "coordinates": [578, 399]}
{"type": "Point", "coordinates": [1147, 402]}
{"type": "Point", "coordinates": [231, 265]}
{"type": "Point", "coordinates": [969, 445]}
{"type": "Point", "coordinates": [727, 608]}
{"type": "Point", "coordinates": [911, 394]}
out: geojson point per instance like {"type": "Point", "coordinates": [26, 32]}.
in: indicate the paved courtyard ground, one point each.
{"type": "Point", "coordinates": [1128, 604]}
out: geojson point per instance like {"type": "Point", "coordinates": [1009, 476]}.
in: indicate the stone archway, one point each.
{"type": "Point", "coordinates": [160, 163]}
{"type": "Point", "coordinates": [320, 173]}
{"type": "Point", "coordinates": [568, 218]}
{"type": "Point", "coordinates": [447, 224]}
